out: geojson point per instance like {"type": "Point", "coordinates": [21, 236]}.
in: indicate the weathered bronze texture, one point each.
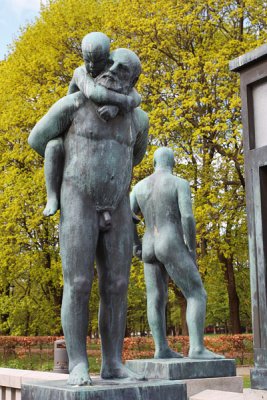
{"type": "Point", "coordinates": [100, 149]}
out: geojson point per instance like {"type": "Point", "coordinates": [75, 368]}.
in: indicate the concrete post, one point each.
{"type": "Point", "coordinates": [252, 67]}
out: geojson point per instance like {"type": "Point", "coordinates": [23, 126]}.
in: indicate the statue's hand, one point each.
{"type": "Point", "coordinates": [128, 104]}
{"type": "Point", "coordinates": [137, 251]}
{"type": "Point", "coordinates": [107, 112]}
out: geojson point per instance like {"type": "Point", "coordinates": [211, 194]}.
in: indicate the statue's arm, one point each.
{"type": "Point", "coordinates": [55, 122]}
{"type": "Point", "coordinates": [102, 96]}
{"type": "Point", "coordinates": [187, 217]}
{"type": "Point", "coordinates": [134, 203]}
{"type": "Point", "coordinates": [137, 243]}
{"type": "Point", "coordinates": [73, 88]}
{"type": "Point", "coordinates": [84, 82]}
{"type": "Point", "coordinates": [141, 125]}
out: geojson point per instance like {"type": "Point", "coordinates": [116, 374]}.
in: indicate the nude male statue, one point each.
{"type": "Point", "coordinates": [169, 249]}
{"type": "Point", "coordinates": [99, 157]}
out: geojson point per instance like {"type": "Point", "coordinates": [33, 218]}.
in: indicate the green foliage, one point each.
{"type": "Point", "coordinates": [136, 313]}
{"type": "Point", "coordinates": [194, 107]}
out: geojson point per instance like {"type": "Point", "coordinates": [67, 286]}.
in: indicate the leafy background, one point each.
{"type": "Point", "coordinates": [194, 107]}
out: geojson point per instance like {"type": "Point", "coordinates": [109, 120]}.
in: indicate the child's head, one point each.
{"type": "Point", "coordinates": [95, 49]}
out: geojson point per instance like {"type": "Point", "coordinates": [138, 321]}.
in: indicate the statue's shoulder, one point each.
{"type": "Point", "coordinates": [138, 186]}
{"type": "Point", "coordinates": [142, 186]}
{"type": "Point", "coordinates": [181, 182]}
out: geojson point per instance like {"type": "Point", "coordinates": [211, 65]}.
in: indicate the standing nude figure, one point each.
{"type": "Point", "coordinates": [169, 249]}
{"type": "Point", "coordinates": [99, 157]}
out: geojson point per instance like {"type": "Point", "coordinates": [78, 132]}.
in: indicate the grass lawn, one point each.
{"type": "Point", "coordinates": [37, 363]}
{"type": "Point", "coordinates": [246, 382]}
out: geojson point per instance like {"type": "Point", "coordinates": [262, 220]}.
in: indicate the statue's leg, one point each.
{"type": "Point", "coordinates": [78, 237]}
{"type": "Point", "coordinates": [54, 163]}
{"type": "Point", "coordinates": [156, 279]}
{"type": "Point", "coordinates": [183, 271]}
{"type": "Point", "coordinates": [114, 253]}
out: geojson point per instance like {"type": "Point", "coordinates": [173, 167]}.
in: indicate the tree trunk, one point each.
{"type": "Point", "coordinates": [182, 304]}
{"type": "Point", "coordinates": [235, 324]}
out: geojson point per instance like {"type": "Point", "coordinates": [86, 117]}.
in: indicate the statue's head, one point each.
{"type": "Point", "coordinates": [122, 71]}
{"type": "Point", "coordinates": [164, 158]}
{"type": "Point", "coordinates": [95, 49]}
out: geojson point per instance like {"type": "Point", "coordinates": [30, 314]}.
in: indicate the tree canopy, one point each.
{"type": "Point", "coordinates": [194, 107]}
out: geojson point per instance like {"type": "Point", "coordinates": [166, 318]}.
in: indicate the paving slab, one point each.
{"type": "Point", "coordinates": [228, 384]}
{"type": "Point", "coordinates": [255, 394]}
{"type": "Point", "coordinates": [217, 395]}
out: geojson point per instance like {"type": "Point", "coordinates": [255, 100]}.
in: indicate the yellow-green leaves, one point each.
{"type": "Point", "coordinates": [194, 107]}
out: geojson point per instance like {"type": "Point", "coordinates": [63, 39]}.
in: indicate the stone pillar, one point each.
{"type": "Point", "coordinates": [252, 67]}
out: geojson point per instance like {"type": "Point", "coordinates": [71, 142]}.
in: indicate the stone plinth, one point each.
{"type": "Point", "coordinates": [258, 377]}
{"type": "Point", "coordinates": [182, 368]}
{"type": "Point", "coordinates": [105, 390]}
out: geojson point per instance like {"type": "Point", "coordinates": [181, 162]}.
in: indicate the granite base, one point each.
{"type": "Point", "coordinates": [258, 377]}
{"type": "Point", "coordinates": [182, 368]}
{"type": "Point", "coordinates": [105, 390]}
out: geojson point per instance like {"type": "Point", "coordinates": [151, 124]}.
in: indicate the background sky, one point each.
{"type": "Point", "coordinates": [13, 15]}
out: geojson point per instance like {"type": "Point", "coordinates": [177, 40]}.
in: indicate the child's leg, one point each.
{"type": "Point", "coordinates": [54, 163]}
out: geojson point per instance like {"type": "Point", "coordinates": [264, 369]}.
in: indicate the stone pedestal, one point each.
{"type": "Point", "coordinates": [105, 390]}
{"type": "Point", "coordinates": [182, 368]}
{"type": "Point", "coordinates": [258, 377]}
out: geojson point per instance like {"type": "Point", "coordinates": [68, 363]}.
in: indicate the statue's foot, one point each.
{"type": "Point", "coordinates": [167, 353]}
{"type": "Point", "coordinates": [79, 375]}
{"type": "Point", "coordinates": [51, 207]}
{"type": "Point", "coordinates": [119, 372]}
{"type": "Point", "coordinates": [204, 354]}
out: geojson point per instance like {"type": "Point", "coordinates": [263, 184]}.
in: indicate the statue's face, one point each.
{"type": "Point", "coordinates": [95, 61]}
{"type": "Point", "coordinates": [119, 73]}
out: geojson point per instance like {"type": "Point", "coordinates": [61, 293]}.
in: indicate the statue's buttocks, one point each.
{"type": "Point", "coordinates": [99, 156]}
